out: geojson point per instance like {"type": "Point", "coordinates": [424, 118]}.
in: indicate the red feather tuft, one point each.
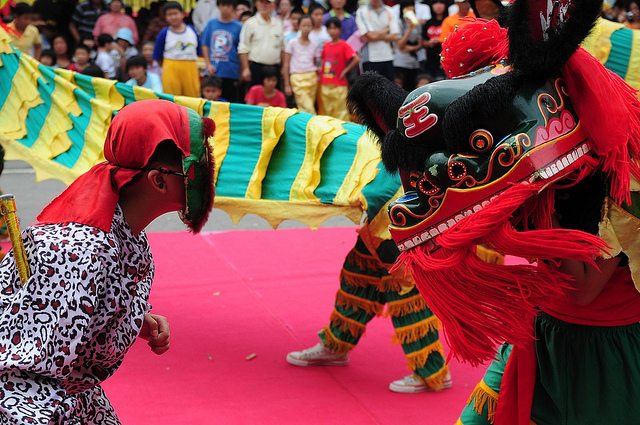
{"type": "Point", "coordinates": [472, 46]}
{"type": "Point", "coordinates": [208, 127]}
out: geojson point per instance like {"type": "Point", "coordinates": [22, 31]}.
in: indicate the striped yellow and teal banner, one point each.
{"type": "Point", "coordinates": [617, 48]}
{"type": "Point", "coordinates": [277, 163]}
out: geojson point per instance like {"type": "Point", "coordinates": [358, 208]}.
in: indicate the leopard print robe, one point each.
{"type": "Point", "coordinates": [68, 328]}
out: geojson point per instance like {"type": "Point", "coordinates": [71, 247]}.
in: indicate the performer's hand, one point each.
{"type": "Point", "coordinates": [245, 75]}
{"type": "Point", "coordinates": [155, 329]}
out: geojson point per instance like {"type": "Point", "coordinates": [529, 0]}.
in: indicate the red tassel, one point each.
{"type": "Point", "coordinates": [483, 305]}
{"type": "Point", "coordinates": [609, 110]}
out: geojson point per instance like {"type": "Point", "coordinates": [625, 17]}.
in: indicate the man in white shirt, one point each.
{"type": "Point", "coordinates": [261, 43]}
{"type": "Point", "coordinates": [379, 26]}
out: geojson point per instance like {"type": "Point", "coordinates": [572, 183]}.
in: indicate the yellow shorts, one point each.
{"type": "Point", "coordinates": [305, 87]}
{"type": "Point", "coordinates": [180, 78]}
{"type": "Point", "coordinates": [333, 101]}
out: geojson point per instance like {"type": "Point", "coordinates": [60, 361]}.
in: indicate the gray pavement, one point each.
{"type": "Point", "coordinates": [19, 179]}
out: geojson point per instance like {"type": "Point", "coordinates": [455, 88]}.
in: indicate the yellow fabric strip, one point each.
{"type": "Point", "coordinates": [363, 170]}
{"type": "Point", "coordinates": [107, 93]}
{"type": "Point", "coordinates": [598, 43]}
{"type": "Point", "coordinates": [143, 93]}
{"type": "Point", "coordinates": [334, 344]}
{"type": "Point", "coordinates": [413, 333]}
{"type": "Point", "coordinates": [620, 230]}
{"type": "Point", "coordinates": [23, 96]}
{"type": "Point", "coordinates": [352, 302]}
{"type": "Point", "coordinates": [220, 113]}
{"type": "Point", "coordinates": [321, 131]}
{"type": "Point", "coordinates": [435, 381]}
{"type": "Point", "coordinates": [44, 168]}
{"type": "Point", "coordinates": [633, 72]}
{"type": "Point", "coordinates": [275, 212]}
{"type": "Point", "coordinates": [482, 395]}
{"type": "Point", "coordinates": [136, 5]}
{"type": "Point", "coordinates": [406, 306]}
{"type": "Point", "coordinates": [345, 324]}
{"type": "Point", "coordinates": [273, 123]}
{"type": "Point", "coordinates": [53, 139]}
{"type": "Point", "coordinates": [376, 229]}
{"type": "Point", "coordinates": [195, 103]}
{"type": "Point", "coordinates": [419, 358]}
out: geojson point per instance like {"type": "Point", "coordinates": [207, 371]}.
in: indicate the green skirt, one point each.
{"type": "Point", "coordinates": [586, 374]}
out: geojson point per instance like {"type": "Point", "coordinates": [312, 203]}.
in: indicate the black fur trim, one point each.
{"type": "Point", "coordinates": [540, 59]}
{"type": "Point", "coordinates": [374, 101]}
{"type": "Point", "coordinates": [399, 153]}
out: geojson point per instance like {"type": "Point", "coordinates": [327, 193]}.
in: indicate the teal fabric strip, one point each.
{"type": "Point", "coordinates": [127, 92]}
{"type": "Point", "coordinates": [335, 164]}
{"type": "Point", "coordinates": [37, 116]}
{"type": "Point", "coordinates": [620, 55]}
{"type": "Point", "coordinates": [287, 159]}
{"type": "Point", "coordinates": [244, 150]}
{"type": "Point", "coordinates": [85, 84]}
{"type": "Point", "coordinates": [7, 71]}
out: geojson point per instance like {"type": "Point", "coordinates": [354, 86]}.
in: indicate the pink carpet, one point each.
{"type": "Point", "coordinates": [230, 296]}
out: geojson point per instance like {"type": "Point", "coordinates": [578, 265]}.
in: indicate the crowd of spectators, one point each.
{"type": "Point", "coordinates": [296, 53]}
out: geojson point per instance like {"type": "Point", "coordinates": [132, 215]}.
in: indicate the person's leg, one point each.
{"type": "Point", "coordinates": [230, 90]}
{"type": "Point", "coordinates": [333, 99]}
{"type": "Point", "coordinates": [386, 69]}
{"type": "Point", "coordinates": [256, 74]}
{"type": "Point", "coordinates": [483, 402]}
{"type": "Point", "coordinates": [357, 302]}
{"type": "Point", "coordinates": [398, 76]}
{"type": "Point", "coordinates": [304, 86]}
{"type": "Point", "coordinates": [409, 80]}
{"type": "Point", "coordinates": [416, 329]}
{"type": "Point", "coordinates": [190, 78]}
{"type": "Point", "coordinates": [383, 68]}
{"type": "Point", "coordinates": [171, 83]}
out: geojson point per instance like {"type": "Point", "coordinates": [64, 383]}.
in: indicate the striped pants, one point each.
{"type": "Point", "coordinates": [365, 289]}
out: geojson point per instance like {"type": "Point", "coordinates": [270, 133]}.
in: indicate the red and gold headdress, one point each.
{"type": "Point", "coordinates": [133, 136]}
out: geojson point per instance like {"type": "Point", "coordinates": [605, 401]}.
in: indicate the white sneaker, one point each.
{"type": "Point", "coordinates": [411, 384]}
{"type": "Point", "coordinates": [318, 355]}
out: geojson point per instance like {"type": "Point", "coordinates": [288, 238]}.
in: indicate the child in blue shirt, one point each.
{"type": "Point", "coordinates": [219, 42]}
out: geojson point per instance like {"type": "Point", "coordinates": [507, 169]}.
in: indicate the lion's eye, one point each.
{"type": "Point", "coordinates": [481, 140]}
{"type": "Point", "coordinates": [427, 187]}
{"type": "Point", "coordinates": [457, 170]}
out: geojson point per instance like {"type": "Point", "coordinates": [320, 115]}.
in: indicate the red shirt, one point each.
{"type": "Point", "coordinates": [618, 304]}
{"type": "Point", "coordinates": [255, 96]}
{"type": "Point", "coordinates": [74, 67]}
{"type": "Point", "coordinates": [334, 60]}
